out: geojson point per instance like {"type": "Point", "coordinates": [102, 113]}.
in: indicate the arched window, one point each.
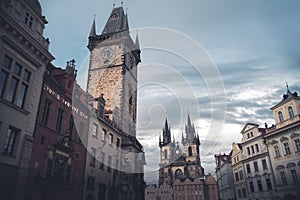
{"type": "Point", "coordinates": [190, 151]}
{"type": "Point", "coordinates": [178, 173]}
{"type": "Point", "coordinates": [291, 112]}
{"type": "Point", "coordinates": [280, 116]}
{"type": "Point", "coordinates": [166, 153]}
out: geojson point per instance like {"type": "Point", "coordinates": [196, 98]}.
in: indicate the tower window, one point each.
{"type": "Point", "coordinates": [114, 16]}
{"type": "Point", "coordinates": [280, 116]}
{"type": "Point", "coordinates": [190, 151]}
{"type": "Point", "coordinates": [165, 153]}
{"type": "Point", "coordinates": [291, 112]}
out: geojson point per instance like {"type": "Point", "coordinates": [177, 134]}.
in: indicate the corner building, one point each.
{"type": "Point", "coordinates": [112, 83]}
{"type": "Point", "coordinates": [23, 58]}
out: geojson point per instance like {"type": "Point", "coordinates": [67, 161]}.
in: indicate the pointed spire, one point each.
{"type": "Point", "coordinates": [137, 41]}
{"type": "Point", "coordinates": [93, 28]}
{"type": "Point", "coordinates": [287, 88]}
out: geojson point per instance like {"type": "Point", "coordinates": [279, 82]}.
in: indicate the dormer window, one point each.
{"type": "Point", "coordinates": [28, 20]}
{"type": "Point", "coordinates": [280, 116]}
{"type": "Point", "coordinates": [114, 16]}
{"type": "Point", "coordinates": [291, 112]}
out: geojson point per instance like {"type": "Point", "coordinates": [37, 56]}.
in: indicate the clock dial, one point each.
{"type": "Point", "coordinates": [107, 53]}
{"type": "Point", "coordinates": [177, 151]}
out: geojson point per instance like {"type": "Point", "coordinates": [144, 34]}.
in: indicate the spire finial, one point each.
{"type": "Point", "coordinates": [287, 86]}
{"type": "Point", "coordinates": [114, 4]}
{"type": "Point", "coordinates": [122, 3]}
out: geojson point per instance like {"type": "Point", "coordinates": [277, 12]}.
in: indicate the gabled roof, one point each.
{"type": "Point", "coordinates": [249, 124]}
{"type": "Point", "coordinates": [116, 22]}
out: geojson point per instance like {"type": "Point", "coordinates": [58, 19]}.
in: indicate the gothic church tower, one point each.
{"type": "Point", "coordinates": [113, 69]}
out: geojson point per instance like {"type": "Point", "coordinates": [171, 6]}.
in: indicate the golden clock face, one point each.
{"type": "Point", "coordinates": [107, 53]}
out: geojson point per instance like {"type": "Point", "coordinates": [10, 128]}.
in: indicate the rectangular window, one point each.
{"type": "Point", "coordinates": [71, 125]}
{"type": "Point", "coordinates": [93, 157]}
{"type": "Point", "coordinates": [95, 130]}
{"type": "Point", "coordinates": [251, 187]}
{"type": "Point", "coordinates": [118, 142]}
{"type": "Point", "coordinates": [269, 184]}
{"type": "Point", "coordinates": [297, 145]}
{"type": "Point", "coordinates": [239, 193]}
{"type": "Point", "coordinates": [259, 185]}
{"type": "Point", "coordinates": [46, 112]}
{"type": "Point", "coordinates": [59, 119]}
{"type": "Point", "coordinates": [109, 163]}
{"type": "Point", "coordinates": [103, 134]}
{"type": "Point", "coordinates": [12, 90]}
{"type": "Point", "coordinates": [102, 160]}
{"type": "Point", "coordinates": [22, 95]}
{"type": "Point", "coordinates": [264, 164]}
{"type": "Point", "coordinates": [248, 150]}
{"type": "Point", "coordinates": [286, 148]}
{"type": "Point", "coordinates": [236, 176]}
{"type": "Point", "coordinates": [252, 149]}
{"type": "Point", "coordinates": [3, 80]}
{"type": "Point", "coordinates": [90, 184]}
{"type": "Point", "coordinates": [7, 62]}
{"type": "Point", "coordinates": [257, 148]}
{"type": "Point", "coordinates": [255, 166]}
{"type": "Point", "coordinates": [10, 140]}
{"type": "Point", "coordinates": [241, 175]}
{"type": "Point", "coordinates": [244, 192]}
{"type": "Point", "coordinates": [283, 178]}
{"type": "Point", "coordinates": [248, 168]}
{"type": "Point", "coordinates": [294, 176]}
{"type": "Point", "coordinates": [276, 150]}
{"type": "Point", "coordinates": [17, 69]}
{"type": "Point", "coordinates": [111, 139]}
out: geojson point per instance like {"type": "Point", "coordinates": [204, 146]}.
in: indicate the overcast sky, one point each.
{"type": "Point", "coordinates": [252, 46]}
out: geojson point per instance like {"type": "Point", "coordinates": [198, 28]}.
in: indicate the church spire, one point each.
{"type": "Point", "coordinates": [166, 134]}
{"type": "Point", "coordinates": [189, 131]}
{"type": "Point", "coordinates": [93, 28]}
{"type": "Point", "coordinates": [117, 21]}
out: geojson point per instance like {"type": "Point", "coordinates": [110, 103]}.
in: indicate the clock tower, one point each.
{"type": "Point", "coordinates": [114, 57]}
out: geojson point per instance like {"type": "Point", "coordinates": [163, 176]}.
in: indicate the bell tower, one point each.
{"type": "Point", "coordinates": [114, 57]}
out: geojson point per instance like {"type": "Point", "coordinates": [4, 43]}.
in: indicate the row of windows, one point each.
{"type": "Point", "coordinates": [260, 186]}
{"type": "Point", "coordinates": [102, 160]}
{"type": "Point", "coordinates": [251, 150]}
{"type": "Point", "coordinates": [14, 81]}
{"type": "Point", "coordinates": [59, 119]}
{"type": "Point", "coordinates": [242, 193]}
{"type": "Point", "coordinates": [290, 111]}
{"type": "Point", "coordinates": [293, 174]}
{"type": "Point", "coordinates": [249, 135]}
{"type": "Point", "coordinates": [287, 149]}
{"type": "Point", "coordinates": [103, 136]}
{"type": "Point", "coordinates": [239, 175]}
{"type": "Point", "coordinates": [255, 166]}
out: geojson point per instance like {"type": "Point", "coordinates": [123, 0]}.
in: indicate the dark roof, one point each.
{"type": "Point", "coordinates": [287, 97]}
{"type": "Point", "coordinates": [116, 22]}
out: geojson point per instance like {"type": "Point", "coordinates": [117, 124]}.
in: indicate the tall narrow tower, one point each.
{"type": "Point", "coordinates": [113, 69]}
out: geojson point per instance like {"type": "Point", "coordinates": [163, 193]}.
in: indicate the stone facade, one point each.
{"type": "Point", "coordinates": [117, 171]}
{"type": "Point", "coordinates": [58, 158]}
{"type": "Point", "coordinates": [256, 163]}
{"type": "Point", "coordinates": [225, 177]}
{"type": "Point", "coordinates": [113, 69]}
{"type": "Point", "coordinates": [238, 171]}
{"type": "Point", "coordinates": [23, 58]}
{"type": "Point", "coordinates": [283, 141]}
